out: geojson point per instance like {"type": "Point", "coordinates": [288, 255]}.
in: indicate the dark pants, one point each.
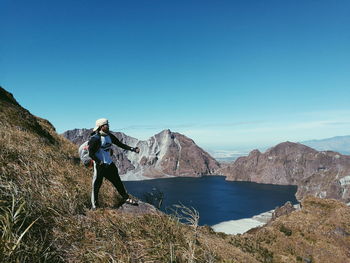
{"type": "Point", "coordinates": [110, 172]}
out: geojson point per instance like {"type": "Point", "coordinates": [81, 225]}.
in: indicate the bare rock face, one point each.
{"type": "Point", "coordinates": [164, 154]}
{"type": "Point", "coordinates": [323, 174]}
{"type": "Point", "coordinates": [286, 209]}
{"type": "Point", "coordinates": [141, 209]}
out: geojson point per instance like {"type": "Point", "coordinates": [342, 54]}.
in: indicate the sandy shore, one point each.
{"type": "Point", "coordinates": [240, 226]}
{"type": "Point", "coordinates": [137, 176]}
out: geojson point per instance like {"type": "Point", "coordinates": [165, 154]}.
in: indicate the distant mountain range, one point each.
{"type": "Point", "coordinates": [227, 156]}
{"type": "Point", "coordinates": [339, 144]}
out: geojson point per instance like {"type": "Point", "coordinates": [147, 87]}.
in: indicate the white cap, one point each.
{"type": "Point", "coordinates": [100, 122]}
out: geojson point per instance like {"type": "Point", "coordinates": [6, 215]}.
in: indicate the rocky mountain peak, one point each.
{"type": "Point", "coordinates": [254, 152]}
{"type": "Point", "coordinates": [323, 174]}
{"type": "Point", "coordinates": [287, 148]}
{"type": "Point", "coordinates": [168, 131]}
{"type": "Point", "coordinates": [165, 154]}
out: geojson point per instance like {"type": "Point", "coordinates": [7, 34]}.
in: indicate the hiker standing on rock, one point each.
{"type": "Point", "coordinates": [100, 150]}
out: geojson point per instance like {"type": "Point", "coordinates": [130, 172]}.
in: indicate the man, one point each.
{"type": "Point", "coordinates": [100, 151]}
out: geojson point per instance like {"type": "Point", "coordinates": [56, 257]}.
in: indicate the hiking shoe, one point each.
{"type": "Point", "coordinates": [131, 201]}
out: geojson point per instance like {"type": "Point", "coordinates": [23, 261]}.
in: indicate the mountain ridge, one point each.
{"type": "Point", "coordinates": [339, 144]}
{"type": "Point", "coordinates": [164, 154]}
{"type": "Point", "coordinates": [319, 173]}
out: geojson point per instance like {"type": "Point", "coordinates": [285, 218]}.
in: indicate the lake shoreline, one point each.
{"type": "Point", "coordinates": [240, 226]}
{"type": "Point", "coordinates": [216, 199]}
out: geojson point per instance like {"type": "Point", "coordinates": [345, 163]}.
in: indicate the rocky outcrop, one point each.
{"type": "Point", "coordinates": [285, 209]}
{"type": "Point", "coordinates": [164, 154]}
{"type": "Point", "coordinates": [141, 209]}
{"type": "Point", "coordinates": [323, 174]}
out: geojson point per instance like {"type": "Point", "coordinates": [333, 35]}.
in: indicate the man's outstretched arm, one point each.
{"type": "Point", "coordinates": [122, 145]}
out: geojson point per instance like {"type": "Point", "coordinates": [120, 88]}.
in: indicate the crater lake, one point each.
{"type": "Point", "coordinates": [216, 199]}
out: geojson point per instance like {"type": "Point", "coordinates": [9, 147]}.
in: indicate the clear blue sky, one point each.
{"type": "Point", "coordinates": [229, 74]}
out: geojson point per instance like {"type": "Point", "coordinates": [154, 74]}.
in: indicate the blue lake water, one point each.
{"type": "Point", "coordinates": [215, 199]}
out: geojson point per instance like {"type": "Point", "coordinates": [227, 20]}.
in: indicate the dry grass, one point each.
{"type": "Point", "coordinates": [45, 214]}
{"type": "Point", "coordinates": [45, 208]}
{"type": "Point", "coordinates": [320, 232]}
{"type": "Point", "coordinates": [34, 182]}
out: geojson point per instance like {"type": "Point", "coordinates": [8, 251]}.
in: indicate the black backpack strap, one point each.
{"type": "Point", "coordinates": [94, 145]}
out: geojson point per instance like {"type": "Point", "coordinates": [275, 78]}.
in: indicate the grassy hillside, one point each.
{"type": "Point", "coordinates": [319, 232]}
{"type": "Point", "coordinates": [45, 213]}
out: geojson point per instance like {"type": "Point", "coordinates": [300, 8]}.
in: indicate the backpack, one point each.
{"type": "Point", "coordinates": [84, 154]}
